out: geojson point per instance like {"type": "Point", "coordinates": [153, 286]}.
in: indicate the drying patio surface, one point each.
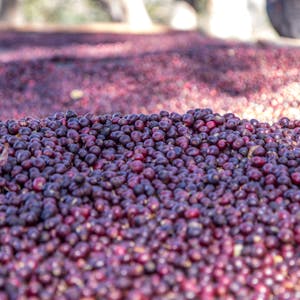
{"type": "Point", "coordinates": [100, 72]}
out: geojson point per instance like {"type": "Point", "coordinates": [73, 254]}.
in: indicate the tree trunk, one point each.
{"type": "Point", "coordinates": [9, 11]}
{"type": "Point", "coordinates": [230, 19]}
{"type": "Point", "coordinates": [261, 26]}
{"type": "Point", "coordinates": [193, 3]}
{"type": "Point", "coordinates": [114, 9]}
{"type": "Point", "coordinates": [285, 17]}
{"type": "Point", "coordinates": [183, 16]}
{"type": "Point", "coordinates": [136, 14]}
{"type": "Point", "coordinates": [132, 12]}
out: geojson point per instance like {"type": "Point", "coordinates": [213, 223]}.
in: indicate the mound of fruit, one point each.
{"type": "Point", "coordinates": [41, 74]}
{"type": "Point", "coordinates": [149, 206]}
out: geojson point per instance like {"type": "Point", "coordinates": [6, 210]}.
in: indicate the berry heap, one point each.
{"type": "Point", "coordinates": [160, 206]}
{"type": "Point", "coordinates": [41, 74]}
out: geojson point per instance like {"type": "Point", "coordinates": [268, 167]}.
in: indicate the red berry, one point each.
{"type": "Point", "coordinates": [296, 177]}
{"type": "Point", "coordinates": [38, 183]}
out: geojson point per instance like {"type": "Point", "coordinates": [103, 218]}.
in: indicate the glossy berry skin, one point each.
{"type": "Point", "coordinates": [296, 177]}
{"type": "Point", "coordinates": [38, 183]}
{"type": "Point", "coordinates": [137, 166]}
{"type": "Point", "coordinates": [161, 206]}
{"type": "Point", "coordinates": [156, 205]}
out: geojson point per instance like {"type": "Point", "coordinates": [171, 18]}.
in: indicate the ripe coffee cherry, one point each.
{"type": "Point", "coordinates": [137, 166]}
{"type": "Point", "coordinates": [212, 209]}
{"type": "Point", "coordinates": [296, 177]}
{"type": "Point", "coordinates": [108, 207]}
{"type": "Point", "coordinates": [38, 183]}
{"type": "Point", "coordinates": [158, 135]}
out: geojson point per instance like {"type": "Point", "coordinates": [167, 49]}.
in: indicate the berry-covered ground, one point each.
{"type": "Point", "coordinates": [175, 71]}
{"type": "Point", "coordinates": [160, 201]}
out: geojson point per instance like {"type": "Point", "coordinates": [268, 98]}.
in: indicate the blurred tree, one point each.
{"type": "Point", "coordinates": [193, 3]}
{"type": "Point", "coordinates": [230, 19]}
{"type": "Point", "coordinates": [184, 15]}
{"type": "Point", "coordinates": [181, 14]}
{"type": "Point", "coordinates": [113, 8]}
{"type": "Point", "coordinates": [8, 11]}
{"type": "Point", "coordinates": [285, 17]}
{"type": "Point", "coordinates": [241, 19]}
{"type": "Point", "coordinates": [223, 18]}
{"type": "Point", "coordinates": [63, 12]}
{"type": "Point", "coordinates": [132, 12]}
{"type": "Point", "coordinates": [136, 13]}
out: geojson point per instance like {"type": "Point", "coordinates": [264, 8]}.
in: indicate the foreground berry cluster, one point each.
{"type": "Point", "coordinates": [175, 71]}
{"type": "Point", "coordinates": [161, 206]}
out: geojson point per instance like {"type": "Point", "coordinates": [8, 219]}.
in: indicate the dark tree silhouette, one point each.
{"type": "Point", "coordinates": [285, 17]}
{"type": "Point", "coordinates": [8, 10]}
{"type": "Point", "coordinates": [132, 12]}
{"type": "Point", "coordinates": [113, 8]}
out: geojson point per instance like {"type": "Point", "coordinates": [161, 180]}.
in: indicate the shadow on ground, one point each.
{"type": "Point", "coordinates": [139, 73]}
